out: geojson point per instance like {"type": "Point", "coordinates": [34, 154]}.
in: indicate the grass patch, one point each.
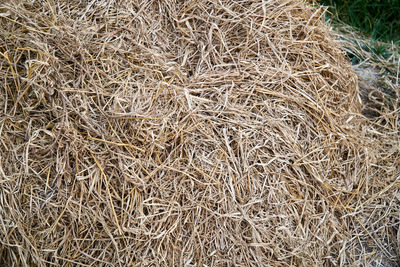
{"type": "Point", "coordinates": [377, 18]}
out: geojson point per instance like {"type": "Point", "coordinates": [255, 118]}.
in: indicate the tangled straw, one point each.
{"type": "Point", "coordinates": [186, 133]}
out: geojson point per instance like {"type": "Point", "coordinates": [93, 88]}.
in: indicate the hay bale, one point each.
{"type": "Point", "coordinates": [176, 133]}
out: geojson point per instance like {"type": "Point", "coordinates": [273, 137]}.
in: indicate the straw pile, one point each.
{"type": "Point", "coordinates": [187, 133]}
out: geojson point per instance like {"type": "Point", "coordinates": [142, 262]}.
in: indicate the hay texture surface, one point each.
{"type": "Point", "coordinates": [184, 133]}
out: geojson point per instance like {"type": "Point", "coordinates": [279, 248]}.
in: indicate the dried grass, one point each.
{"type": "Point", "coordinates": [172, 133]}
{"type": "Point", "coordinates": [376, 233]}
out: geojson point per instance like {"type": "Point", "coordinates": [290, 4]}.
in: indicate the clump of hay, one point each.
{"type": "Point", "coordinates": [181, 133]}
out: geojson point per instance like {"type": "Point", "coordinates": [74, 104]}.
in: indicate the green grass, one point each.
{"type": "Point", "coordinates": [380, 19]}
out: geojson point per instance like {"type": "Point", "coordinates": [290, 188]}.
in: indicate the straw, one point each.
{"type": "Point", "coordinates": [187, 133]}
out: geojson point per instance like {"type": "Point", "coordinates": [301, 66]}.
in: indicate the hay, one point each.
{"type": "Point", "coordinates": [376, 232]}
{"type": "Point", "coordinates": [205, 133]}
